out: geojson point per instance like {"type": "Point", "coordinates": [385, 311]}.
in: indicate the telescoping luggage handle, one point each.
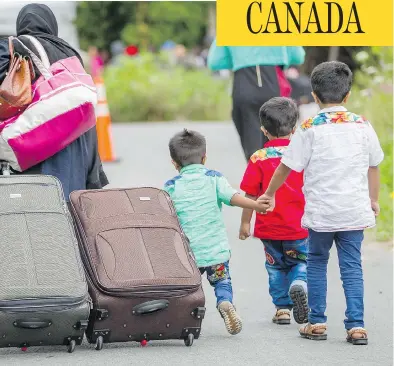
{"type": "Point", "coordinates": [150, 307]}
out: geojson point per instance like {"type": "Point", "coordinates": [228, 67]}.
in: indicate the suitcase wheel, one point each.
{"type": "Point", "coordinates": [99, 343]}
{"type": "Point", "coordinates": [71, 346]}
{"type": "Point", "coordinates": [189, 340]}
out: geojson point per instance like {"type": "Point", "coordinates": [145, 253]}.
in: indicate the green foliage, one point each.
{"type": "Point", "coordinates": [372, 97]}
{"type": "Point", "coordinates": [145, 23]}
{"type": "Point", "coordinates": [145, 88]}
{"type": "Point", "coordinates": [156, 22]}
{"type": "Point", "coordinates": [99, 23]}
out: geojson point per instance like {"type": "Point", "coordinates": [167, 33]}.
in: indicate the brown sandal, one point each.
{"type": "Point", "coordinates": [315, 332]}
{"type": "Point", "coordinates": [282, 317]}
{"type": "Point", "coordinates": [357, 336]}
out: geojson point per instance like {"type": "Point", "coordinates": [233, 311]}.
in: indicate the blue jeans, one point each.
{"type": "Point", "coordinates": [349, 255]}
{"type": "Point", "coordinates": [219, 278]}
{"type": "Point", "coordinates": [286, 265]}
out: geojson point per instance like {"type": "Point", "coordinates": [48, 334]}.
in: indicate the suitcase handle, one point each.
{"type": "Point", "coordinates": [150, 307]}
{"type": "Point", "coordinates": [33, 323]}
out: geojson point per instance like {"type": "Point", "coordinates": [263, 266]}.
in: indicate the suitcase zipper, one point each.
{"type": "Point", "coordinates": [57, 184]}
{"type": "Point", "coordinates": [168, 290]}
{"type": "Point", "coordinates": [55, 303]}
{"type": "Point", "coordinates": [186, 239]}
{"type": "Point", "coordinates": [26, 305]}
{"type": "Point", "coordinates": [181, 289]}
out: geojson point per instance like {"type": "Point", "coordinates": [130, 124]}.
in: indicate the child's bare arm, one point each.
{"type": "Point", "coordinates": [244, 202]}
{"type": "Point", "coordinates": [247, 213]}
{"type": "Point", "coordinates": [374, 186]}
{"type": "Point", "coordinates": [279, 177]}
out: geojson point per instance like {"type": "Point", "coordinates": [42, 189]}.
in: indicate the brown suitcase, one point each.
{"type": "Point", "coordinates": [142, 275]}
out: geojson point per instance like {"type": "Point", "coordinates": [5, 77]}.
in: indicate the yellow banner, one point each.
{"type": "Point", "coordinates": [305, 23]}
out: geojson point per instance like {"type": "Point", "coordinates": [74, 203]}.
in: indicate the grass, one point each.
{"type": "Point", "coordinates": [147, 89]}
{"type": "Point", "coordinates": [377, 106]}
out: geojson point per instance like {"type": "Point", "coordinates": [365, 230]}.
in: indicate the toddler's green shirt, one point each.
{"type": "Point", "coordinates": [198, 195]}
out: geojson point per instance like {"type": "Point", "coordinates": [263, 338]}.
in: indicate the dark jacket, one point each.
{"type": "Point", "coordinates": [78, 166]}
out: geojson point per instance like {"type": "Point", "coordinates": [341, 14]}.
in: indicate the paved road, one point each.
{"type": "Point", "coordinates": [145, 161]}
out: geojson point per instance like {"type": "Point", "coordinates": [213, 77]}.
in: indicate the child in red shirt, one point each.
{"type": "Point", "coordinates": [285, 241]}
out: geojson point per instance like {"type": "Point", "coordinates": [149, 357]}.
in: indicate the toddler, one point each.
{"type": "Point", "coordinates": [198, 194]}
{"type": "Point", "coordinates": [285, 241]}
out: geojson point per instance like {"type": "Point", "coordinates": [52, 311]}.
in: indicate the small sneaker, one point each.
{"type": "Point", "coordinates": [300, 303]}
{"type": "Point", "coordinates": [281, 317]}
{"type": "Point", "coordinates": [231, 319]}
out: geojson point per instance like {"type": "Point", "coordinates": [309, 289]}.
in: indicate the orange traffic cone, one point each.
{"type": "Point", "coordinates": [103, 124]}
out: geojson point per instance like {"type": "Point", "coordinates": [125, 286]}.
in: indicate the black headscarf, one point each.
{"type": "Point", "coordinates": [36, 20]}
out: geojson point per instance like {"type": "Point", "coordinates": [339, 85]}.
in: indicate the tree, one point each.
{"type": "Point", "coordinates": [317, 55]}
{"type": "Point", "coordinates": [158, 21]}
{"type": "Point", "coordinates": [101, 23]}
{"type": "Point", "coordinates": [142, 23]}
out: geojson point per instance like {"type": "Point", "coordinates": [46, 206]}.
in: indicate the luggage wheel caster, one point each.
{"type": "Point", "coordinates": [99, 343]}
{"type": "Point", "coordinates": [189, 340]}
{"type": "Point", "coordinates": [71, 346]}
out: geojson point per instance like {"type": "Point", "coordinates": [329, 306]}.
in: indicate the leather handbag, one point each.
{"type": "Point", "coordinates": [16, 89]}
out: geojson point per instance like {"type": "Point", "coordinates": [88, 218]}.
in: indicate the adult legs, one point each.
{"type": "Point", "coordinates": [247, 122]}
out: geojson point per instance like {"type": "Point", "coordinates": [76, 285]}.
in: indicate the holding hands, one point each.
{"type": "Point", "coordinates": [263, 204]}
{"type": "Point", "coordinates": [268, 201]}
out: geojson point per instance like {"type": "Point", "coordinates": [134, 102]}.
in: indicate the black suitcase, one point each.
{"type": "Point", "coordinates": [43, 291]}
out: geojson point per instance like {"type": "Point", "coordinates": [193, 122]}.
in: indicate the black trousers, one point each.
{"type": "Point", "coordinates": [247, 122]}
{"type": "Point", "coordinates": [252, 87]}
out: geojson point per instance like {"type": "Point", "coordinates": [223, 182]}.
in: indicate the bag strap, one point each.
{"type": "Point", "coordinates": [45, 72]}
{"type": "Point", "coordinates": [41, 51]}
{"type": "Point", "coordinates": [11, 49]}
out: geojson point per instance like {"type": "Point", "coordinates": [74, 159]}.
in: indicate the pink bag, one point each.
{"type": "Point", "coordinates": [62, 109]}
{"type": "Point", "coordinates": [284, 85]}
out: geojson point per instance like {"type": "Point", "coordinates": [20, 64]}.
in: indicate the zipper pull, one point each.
{"type": "Point", "coordinates": [193, 257]}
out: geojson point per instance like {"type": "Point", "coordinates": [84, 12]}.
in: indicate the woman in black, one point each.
{"type": "Point", "coordinates": [78, 166]}
{"type": "Point", "coordinates": [258, 77]}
